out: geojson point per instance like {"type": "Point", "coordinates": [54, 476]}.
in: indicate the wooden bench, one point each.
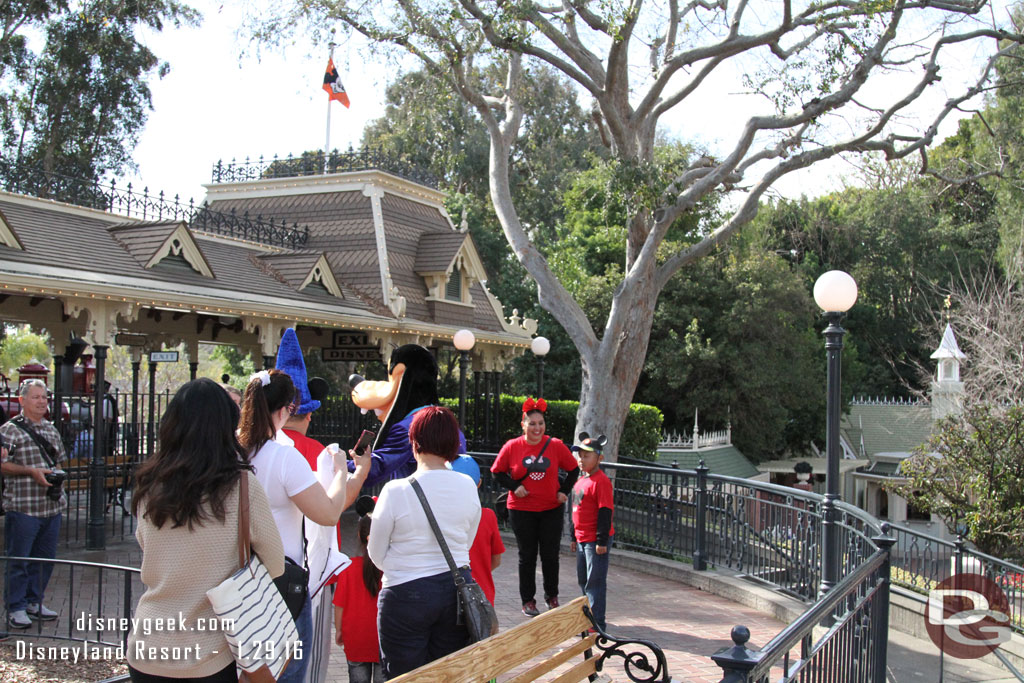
{"type": "Point", "coordinates": [586, 653]}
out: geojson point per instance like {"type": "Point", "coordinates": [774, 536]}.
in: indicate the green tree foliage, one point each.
{"type": "Point", "coordinates": [21, 345]}
{"type": "Point", "coordinates": [905, 244]}
{"type": "Point", "coordinates": [972, 476]}
{"type": "Point", "coordinates": [77, 104]}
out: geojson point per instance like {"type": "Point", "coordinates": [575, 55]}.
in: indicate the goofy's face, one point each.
{"type": "Point", "coordinates": [377, 396]}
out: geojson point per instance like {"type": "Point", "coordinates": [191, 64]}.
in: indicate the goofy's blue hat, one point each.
{"type": "Point", "coordinates": [289, 360]}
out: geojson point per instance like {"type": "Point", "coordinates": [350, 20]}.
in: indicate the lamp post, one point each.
{"type": "Point", "coordinates": [464, 341]}
{"type": "Point", "coordinates": [540, 347]}
{"type": "Point", "coordinates": [835, 293]}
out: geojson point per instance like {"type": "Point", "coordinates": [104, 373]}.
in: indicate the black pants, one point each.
{"type": "Point", "coordinates": [226, 675]}
{"type": "Point", "coordinates": [543, 531]}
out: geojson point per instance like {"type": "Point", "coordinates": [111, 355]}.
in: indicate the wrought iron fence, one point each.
{"type": "Point", "coordinates": [94, 602]}
{"type": "Point", "coordinates": [142, 204]}
{"type": "Point", "coordinates": [853, 649]}
{"type": "Point", "coordinates": [316, 163]}
{"type": "Point", "coordinates": [920, 562]}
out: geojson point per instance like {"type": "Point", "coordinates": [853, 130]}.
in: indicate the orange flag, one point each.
{"type": "Point", "coordinates": [332, 84]}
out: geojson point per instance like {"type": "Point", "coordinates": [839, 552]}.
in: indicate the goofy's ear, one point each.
{"type": "Point", "coordinates": [601, 440]}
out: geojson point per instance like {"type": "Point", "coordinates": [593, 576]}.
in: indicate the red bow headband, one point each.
{"type": "Point", "coordinates": [529, 404]}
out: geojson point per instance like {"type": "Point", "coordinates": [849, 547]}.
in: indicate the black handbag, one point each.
{"type": "Point", "coordinates": [294, 582]}
{"type": "Point", "coordinates": [474, 607]}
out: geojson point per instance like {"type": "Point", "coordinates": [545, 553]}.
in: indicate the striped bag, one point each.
{"type": "Point", "coordinates": [262, 634]}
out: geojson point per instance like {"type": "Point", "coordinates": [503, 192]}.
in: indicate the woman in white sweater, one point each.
{"type": "Point", "coordinates": [291, 486]}
{"type": "Point", "coordinates": [417, 604]}
{"type": "Point", "coordinates": [186, 501]}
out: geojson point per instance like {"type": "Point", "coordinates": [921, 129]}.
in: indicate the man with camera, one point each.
{"type": "Point", "coordinates": [34, 500]}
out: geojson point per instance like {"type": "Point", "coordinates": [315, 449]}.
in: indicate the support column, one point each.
{"type": "Point", "coordinates": [151, 412]}
{"type": "Point", "coordinates": [95, 537]}
{"type": "Point", "coordinates": [133, 433]}
{"type": "Point", "coordinates": [57, 407]}
{"type": "Point", "coordinates": [193, 358]}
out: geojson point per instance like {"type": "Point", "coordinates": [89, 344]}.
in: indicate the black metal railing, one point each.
{"type": "Point", "coordinates": [854, 648]}
{"type": "Point", "coordinates": [920, 562]}
{"type": "Point", "coordinates": [144, 205]}
{"type": "Point", "coordinates": [316, 163]}
{"type": "Point", "coordinates": [94, 602]}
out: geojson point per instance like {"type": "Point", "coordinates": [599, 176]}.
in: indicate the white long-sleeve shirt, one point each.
{"type": "Point", "coordinates": [402, 543]}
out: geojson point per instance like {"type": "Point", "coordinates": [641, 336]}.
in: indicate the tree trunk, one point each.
{"type": "Point", "coordinates": [610, 376]}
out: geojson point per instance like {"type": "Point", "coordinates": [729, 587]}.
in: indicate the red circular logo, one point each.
{"type": "Point", "coordinates": [967, 616]}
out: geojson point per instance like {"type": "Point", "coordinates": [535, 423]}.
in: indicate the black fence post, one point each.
{"type": "Point", "coordinates": [880, 630]}
{"type": "Point", "coordinates": [700, 552]}
{"type": "Point", "coordinates": [737, 661]}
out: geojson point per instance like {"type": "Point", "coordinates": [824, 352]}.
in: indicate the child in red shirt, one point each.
{"type": "Point", "coordinates": [592, 508]}
{"type": "Point", "coordinates": [485, 553]}
{"type": "Point", "coordinates": [356, 596]}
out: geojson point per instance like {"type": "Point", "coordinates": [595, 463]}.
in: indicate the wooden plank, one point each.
{"type": "Point", "coordinates": [556, 660]}
{"type": "Point", "coordinates": [480, 662]}
{"type": "Point", "coordinates": [578, 672]}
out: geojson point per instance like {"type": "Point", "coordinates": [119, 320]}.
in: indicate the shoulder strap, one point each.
{"type": "Point", "coordinates": [244, 547]}
{"type": "Point", "coordinates": [437, 531]}
{"type": "Point", "coordinates": [48, 453]}
{"type": "Point", "coordinates": [542, 449]}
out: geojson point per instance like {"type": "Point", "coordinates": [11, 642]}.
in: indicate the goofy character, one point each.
{"type": "Point", "coordinates": [410, 387]}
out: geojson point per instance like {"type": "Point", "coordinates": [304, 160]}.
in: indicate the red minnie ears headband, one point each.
{"type": "Point", "coordinates": [530, 404]}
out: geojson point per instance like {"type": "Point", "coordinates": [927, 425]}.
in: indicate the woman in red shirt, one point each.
{"type": "Point", "coordinates": [528, 467]}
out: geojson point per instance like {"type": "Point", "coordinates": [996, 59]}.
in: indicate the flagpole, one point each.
{"type": "Point", "coordinates": [327, 140]}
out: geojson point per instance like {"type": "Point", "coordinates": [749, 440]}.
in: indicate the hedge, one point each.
{"type": "Point", "coordinates": [640, 436]}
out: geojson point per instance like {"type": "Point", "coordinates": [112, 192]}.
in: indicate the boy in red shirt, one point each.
{"type": "Point", "coordinates": [592, 508]}
{"type": "Point", "coordinates": [485, 554]}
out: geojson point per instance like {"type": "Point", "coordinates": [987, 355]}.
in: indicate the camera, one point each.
{"type": "Point", "coordinates": [56, 480]}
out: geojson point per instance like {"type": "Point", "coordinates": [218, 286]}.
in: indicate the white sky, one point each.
{"type": "Point", "coordinates": [215, 105]}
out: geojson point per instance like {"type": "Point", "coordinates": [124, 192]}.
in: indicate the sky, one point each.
{"type": "Point", "coordinates": [217, 104]}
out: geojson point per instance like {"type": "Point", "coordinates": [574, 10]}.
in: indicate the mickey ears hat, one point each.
{"type": "Point", "coordinates": [595, 445]}
{"type": "Point", "coordinates": [289, 360]}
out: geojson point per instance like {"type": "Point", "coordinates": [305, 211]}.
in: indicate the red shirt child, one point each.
{"type": "Point", "coordinates": [486, 547]}
{"type": "Point", "coordinates": [359, 624]}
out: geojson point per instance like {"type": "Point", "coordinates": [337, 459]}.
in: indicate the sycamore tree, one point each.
{"type": "Point", "coordinates": [834, 77]}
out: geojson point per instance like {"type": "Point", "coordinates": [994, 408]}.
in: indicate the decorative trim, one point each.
{"type": "Point", "coordinates": [375, 194]}
{"type": "Point", "coordinates": [8, 237]}
{"type": "Point", "coordinates": [321, 271]}
{"type": "Point", "coordinates": [316, 184]}
{"type": "Point", "coordinates": [180, 242]}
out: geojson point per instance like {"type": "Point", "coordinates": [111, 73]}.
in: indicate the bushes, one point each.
{"type": "Point", "coordinates": [640, 435]}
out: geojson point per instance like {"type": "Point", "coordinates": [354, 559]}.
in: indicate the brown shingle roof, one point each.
{"type": "Point", "coordinates": [436, 250]}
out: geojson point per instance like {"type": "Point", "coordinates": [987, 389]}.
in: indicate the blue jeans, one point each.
{"type": "Point", "coordinates": [365, 672]}
{"type": "Point", "coordinates": [416, 621]}
{"type": "Point", "coordinates": [296, 670]}
{"type": "Point", "coordinates": [29, 536]}
{"type": "Point", "coordinates": [592, 575]}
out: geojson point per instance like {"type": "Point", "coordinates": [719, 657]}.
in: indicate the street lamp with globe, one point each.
{"type": "Point", "coordinates": [540, 347]}
{"type": "Point", "coordinates": [464, 341]}
{"type": "Point", "coordinates": [835, 292]}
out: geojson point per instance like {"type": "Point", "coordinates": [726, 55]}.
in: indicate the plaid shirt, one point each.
{"type": "Point", "coordinates": [22, 493]}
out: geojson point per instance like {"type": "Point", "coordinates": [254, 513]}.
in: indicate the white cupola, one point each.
{"type": "Point", "coordinates": [947, 389]}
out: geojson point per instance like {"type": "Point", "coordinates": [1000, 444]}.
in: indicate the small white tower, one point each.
{"type": "Point", "coordinates": [947, 389]}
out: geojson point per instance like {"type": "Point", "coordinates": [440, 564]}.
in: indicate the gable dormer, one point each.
{"type": "Point", "coordinates": [305, 271]}
{"type": "Point", "coordinates": [8, 237]}
{"type": "Point", "coordinates": [449, 265]}
{"type": "Point", "coordinates": [162, 245]}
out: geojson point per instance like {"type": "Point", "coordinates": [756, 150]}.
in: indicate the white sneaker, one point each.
{"type": "Point", "coordinates": [40, 612]}
{"type": "Point", "coordinates": [18, 619]}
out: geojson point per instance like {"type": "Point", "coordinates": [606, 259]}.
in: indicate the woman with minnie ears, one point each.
{"type": "Point", "coordinates": [528, 467]}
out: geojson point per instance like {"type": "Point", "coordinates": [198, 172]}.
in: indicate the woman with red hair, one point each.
{"type": "Point", "coordinates": [418, 607]}
{"type": "Point", "coordinates": [528, 467]}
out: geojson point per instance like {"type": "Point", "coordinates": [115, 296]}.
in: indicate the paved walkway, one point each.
{"type": "Point", "coordinates": [688, 623]}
